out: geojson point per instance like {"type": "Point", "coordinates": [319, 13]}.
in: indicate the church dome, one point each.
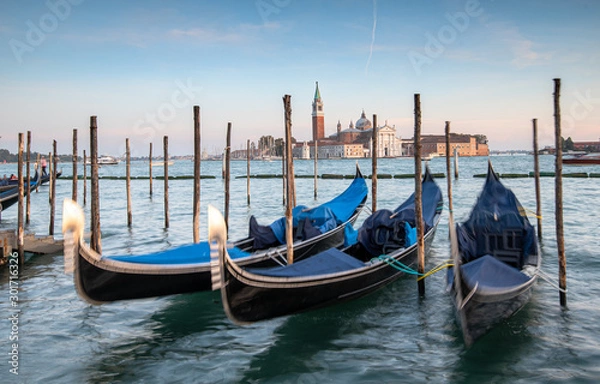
{"type": "Point", "coordinates": [363, 123]}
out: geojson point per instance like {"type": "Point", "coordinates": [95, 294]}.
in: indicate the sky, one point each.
{"type": "Point", "coordinates": [486, 66]}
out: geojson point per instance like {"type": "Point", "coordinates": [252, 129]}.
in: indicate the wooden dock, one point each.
{"type": "Point", "coordinates": [41, 245]}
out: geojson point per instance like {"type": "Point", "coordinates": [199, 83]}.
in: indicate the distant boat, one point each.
{"type": "Point", "coordinates": [105, 160]}
{"type": "Point", "coordinates": [9, 194]}
{"type": "Point", "coordinates": [161, 163]}
{"type": "Point", "coordinates": [429, 156]}
{"type": "Point", "coordinates": [581, 159]}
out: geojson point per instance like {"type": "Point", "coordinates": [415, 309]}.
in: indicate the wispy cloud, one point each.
{"type": "Point", "coordinates": [525, 52]}
{"type": "Point", "coordinates": [372, 36]}
{"type": "Point", "coordinates": [240, 34]}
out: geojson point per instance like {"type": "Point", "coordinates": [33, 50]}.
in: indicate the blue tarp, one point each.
{"type": "Point", "coordinates": [186, 254]}
{"type": "Point", "coordinates": [385, 231]}
{"type": "Point", "coordinates": [329, 261]}
{"type": "Point", "coordinates": [495, 219]}
{"type": "Point", "coordinates": [491, 274]}
{"type": "Point", "coordinates": [313, 221]}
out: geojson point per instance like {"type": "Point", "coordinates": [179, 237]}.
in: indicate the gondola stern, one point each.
{"type": "Point", "coordinates": [491, 174]}
{"type": "Point", "coordinates": [358, 173]}
{"type": "Point", "coordinates": [427, 176]}
{"type": "Point", "coordinates": [73, 219]}
{"type": "Point", "coordinates": [217, 237]}
{"type": "Point", "coordinates": [72, 228]}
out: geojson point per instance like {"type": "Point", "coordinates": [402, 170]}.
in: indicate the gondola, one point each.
{"type": "Point", "coordinates": [9, 195]}
{"type": "Point", "coordinates": [386, 245]}
{"type": "Point", "coordinates": [185, 269]}
{"type": "Point", "coordinates": [498, 257]}
{"type": "Point", "coordinates": [44, 179]}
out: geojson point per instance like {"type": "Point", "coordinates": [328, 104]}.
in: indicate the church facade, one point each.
{"type": "Point", "coordinates": [352, 142]}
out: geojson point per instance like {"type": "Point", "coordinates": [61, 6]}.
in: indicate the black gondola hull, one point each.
{"type": "Point", "coordinates": [100, 281]}
{"type": "Point", "coordinates": [249, 301]}
{"type": "Point", "coordinates": [481, 313]}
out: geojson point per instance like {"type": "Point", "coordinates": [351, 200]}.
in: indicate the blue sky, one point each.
{"type": "Point", "coordinates": [487, 66]}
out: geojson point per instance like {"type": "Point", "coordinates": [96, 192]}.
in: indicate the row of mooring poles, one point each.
{"type": "Point", "coordinates": [95, 219]}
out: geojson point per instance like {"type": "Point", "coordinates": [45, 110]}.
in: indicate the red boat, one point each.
{"type": "Point", "coordinates": [583, 159]}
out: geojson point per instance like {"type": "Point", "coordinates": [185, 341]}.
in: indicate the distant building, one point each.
{"type": "Point", "coordinates": [465, 145]}
{"type": "Point", "coordinates": [352, 142]}
{"type": "Point", "coordinates": [589, 146]}
{"type": "Point", "coordinates": [318, 116]}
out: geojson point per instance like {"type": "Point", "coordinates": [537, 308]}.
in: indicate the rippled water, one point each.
{"type": "Point", "coordinates": [390, 336]}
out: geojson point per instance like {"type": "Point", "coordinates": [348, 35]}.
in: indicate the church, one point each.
{"type": "Point", "coordinates": [352, 142]}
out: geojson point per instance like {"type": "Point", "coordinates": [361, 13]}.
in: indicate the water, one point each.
{"type": "Point", "coordinates": [390, 336]}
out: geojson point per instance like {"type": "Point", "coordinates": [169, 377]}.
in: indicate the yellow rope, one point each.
{"type": "Point", "coordinates": [528, 212]}
{"type": "Point", "coordinates": [437, 268]}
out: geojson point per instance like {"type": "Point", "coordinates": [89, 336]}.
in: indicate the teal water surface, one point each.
{"type": "Point", "coordinates": [391, 336]}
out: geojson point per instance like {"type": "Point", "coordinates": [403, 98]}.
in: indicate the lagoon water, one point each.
{"type": "Point", "coordinates": [391, 336]}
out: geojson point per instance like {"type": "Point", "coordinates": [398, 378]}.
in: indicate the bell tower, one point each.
{"type": "Point", "coordinates": [318, 117]}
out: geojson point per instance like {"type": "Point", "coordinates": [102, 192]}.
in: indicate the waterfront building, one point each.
{"type": "Point", "coordinates": [435, 145]}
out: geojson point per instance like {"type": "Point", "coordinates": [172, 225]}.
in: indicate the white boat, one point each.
{"type": "Point", "coordinates": [105, 160]}
{"type": "Point", "coordinates": [429, 156]}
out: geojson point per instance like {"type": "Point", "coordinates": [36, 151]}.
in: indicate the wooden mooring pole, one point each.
{"type": "Point", "coordinates": [53, 188]}
{"type": "Point", "coordinates": [448, 168]}
{"type": "Point", "coordinates": [96, 238]}
{"type": "Point", "coordinates": [197, 157]}
{"type": "Point", "coordinates": [84, 178]}
{"type": "Point", "coordinates": [128, 182]}
{"type": "Point", "coordinates": [166, 186]}
{"type": "Point", "coordinates": [248, 171]}
{"type": "Point", "coordinates": [28, 179]}
{"type": "Point", "coordinates": [283, 173]}
{"type": "Point", "coordinates": [41, 169]}
{"type": "Point", "coordinates": [560, 236]}
{"type": "Point", "coordinates": [227, 172]}
{"type": "Point", "coordinates": [456, 163]}
{"type": "Point", "coordinates": [20, 228]}
{"type": "Point", "coordinates": [536, 171]}
{"type": "Point", "coordinates": [316, 159]}
{"type": "Point", "coordinates": [289, 235]}
{"type": "Point", "coordinates": [418, 195]}
{"type": "Point", "coordinates": [150, 169]}
{"type": "Point", "coordinates": [50, 175]}
{"type": "Point", "coordinates": [374, 166]}
{"type": "Point", "coordinates": [74, 188]}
